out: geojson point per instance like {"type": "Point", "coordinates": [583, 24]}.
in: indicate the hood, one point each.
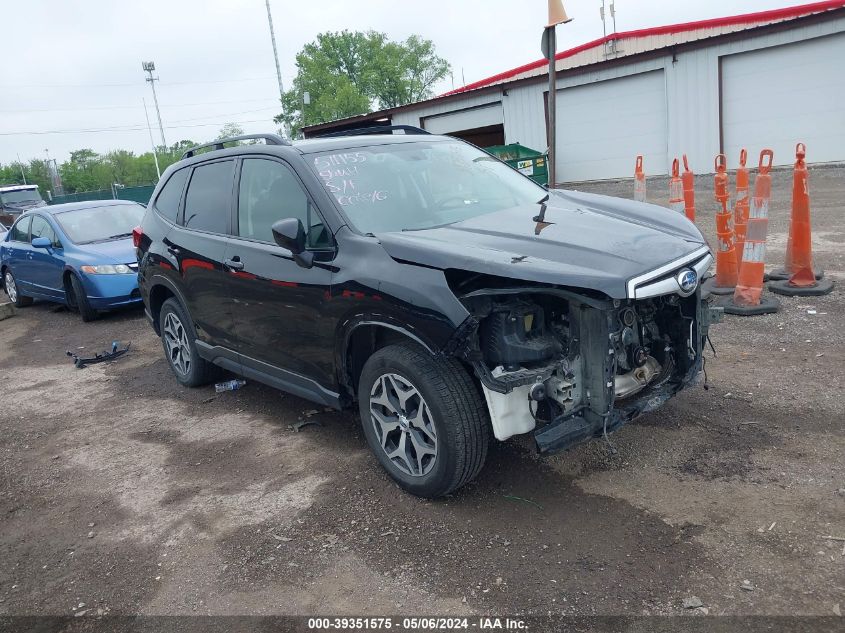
{"type": "Point", "coordinates": [586, 241]}
{"type": "Point", "coordinates": [20, 207]}
{"type": "Point", "coordinates": [120, 251]}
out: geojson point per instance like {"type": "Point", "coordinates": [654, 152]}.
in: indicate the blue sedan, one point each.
{"type": "Point", "coordinates": [80, 254]}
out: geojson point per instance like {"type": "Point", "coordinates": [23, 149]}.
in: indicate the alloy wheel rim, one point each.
{"type": "Point", "coordinates": [11, 289]}
{"type": "Point", "coordinates": [403, 425]}
{"type": "Point", "coordinates": [176, 342]}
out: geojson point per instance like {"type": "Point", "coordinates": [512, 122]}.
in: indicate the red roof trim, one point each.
{"type": "Point", "coordinates": [760, 16]}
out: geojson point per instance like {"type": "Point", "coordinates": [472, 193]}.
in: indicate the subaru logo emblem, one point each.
{"type": "Point", "coordinates": [687, 281]}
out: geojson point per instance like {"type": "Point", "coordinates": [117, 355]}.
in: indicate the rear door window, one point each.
{"type": "Point", "coordinates": [208, 202]}
{"type": "Point", "coordinates": [167, 203]}
{"type": "Point", "coordinates": [20, 232]}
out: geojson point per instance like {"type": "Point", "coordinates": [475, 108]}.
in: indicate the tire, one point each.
{"type": "Point", "coordinates": [442, 411]}
{"type": "Point", "coordinates": [78, 300]}
{"type": "Point", "coordinates": [12, 291]}
{"type": "Point", "coordinates": [177, 331]}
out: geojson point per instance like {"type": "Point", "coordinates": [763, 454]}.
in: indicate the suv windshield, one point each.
{"type": "Point", "coordinates": [20, 196]}
{"type": "Point", "coordinates": [100, 223]}
{"type": "Point", "coordinates": [420, 185]}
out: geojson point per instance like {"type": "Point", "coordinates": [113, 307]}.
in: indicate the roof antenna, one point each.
{"type": "Point", "coordinates": [610, 49]}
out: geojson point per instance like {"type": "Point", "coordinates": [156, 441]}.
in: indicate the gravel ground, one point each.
{"type": "Point", "coordinates": [123, 493]}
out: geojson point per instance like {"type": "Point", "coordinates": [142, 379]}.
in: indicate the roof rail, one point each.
{"type": "Point", "coordinates": [375, 129]}
{"type": "Point", "coordinates": [269, 139]}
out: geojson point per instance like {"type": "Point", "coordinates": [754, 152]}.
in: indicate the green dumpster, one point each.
{"type": "Point", "coordinates": [525, 160]}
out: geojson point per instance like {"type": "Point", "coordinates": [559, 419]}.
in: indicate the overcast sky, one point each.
{"type": "Point", "coordinates": [74, 66]}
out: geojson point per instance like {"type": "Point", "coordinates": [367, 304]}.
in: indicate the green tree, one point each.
{"type": "Point", "coordinates": [350, 73]}
{"type": "Point", "coordinates": [228, 130]}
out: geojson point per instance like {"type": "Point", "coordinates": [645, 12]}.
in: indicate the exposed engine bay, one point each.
{"type": "Point", "coordinates": [570, 367]}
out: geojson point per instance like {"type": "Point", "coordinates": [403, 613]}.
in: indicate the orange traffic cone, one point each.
{"type": "Point", "coordinates": [676, 189]}
{"type": "Point", "coordinates": [748, 297]}
{"type": "Point", "coordinates": [639, 180]}
{"type": "Point", "coordinates": [803, 282]}
{"type": "Point", "coordinates": [741, 203]}
{"type": "Point", "coordinates": [688, 180]}
{"type": "Point", "coordinates": [726, 268]}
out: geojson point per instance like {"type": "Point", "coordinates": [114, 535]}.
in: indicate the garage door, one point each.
{"type": "Point", "coordinates": [601, 128]}
{"type": "Point", "coordinates": [468, 119]}
{"type": "Point", "coordinates": [778, 96]}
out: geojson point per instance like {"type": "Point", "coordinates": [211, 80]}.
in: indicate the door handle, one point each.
{"type": "Point", "coordinates": [234, 264]}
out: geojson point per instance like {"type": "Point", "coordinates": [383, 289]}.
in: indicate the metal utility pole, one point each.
{"type": "Point", "coordinates": [276, 58]}
{"type": "Point", "coordinates": [152, 142]}
{"type": "Point", "coordinates": [20, 164]}
{"type": "Point", "coordinates": [149, 67]}
{"type": "Point", "coordinates": [55, 176]}
{"type": "Point", "coordinates": [557, 15]}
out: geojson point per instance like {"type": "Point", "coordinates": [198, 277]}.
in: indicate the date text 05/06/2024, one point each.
{"type": "Point", "coordinates": [485, 623]}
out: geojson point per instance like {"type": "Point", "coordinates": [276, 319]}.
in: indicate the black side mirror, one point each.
{"type": "Point", "coordinates": [290, 234]}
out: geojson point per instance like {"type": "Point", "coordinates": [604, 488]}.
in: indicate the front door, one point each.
{"type": "Point", "coordinates": [277, 304]}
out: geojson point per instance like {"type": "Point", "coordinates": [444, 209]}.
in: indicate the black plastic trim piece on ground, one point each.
{"type": "Point", "coordinates": [780, 274]}
{"type": "Point", "coordinates": [821, 287]}
{"type": "Point", "coordinates": [709, 286]}
{"type": "Point", "coordinates": [768, 305]}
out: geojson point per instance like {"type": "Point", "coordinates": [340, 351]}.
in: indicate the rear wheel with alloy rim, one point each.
{"type": "Point", "coordinates": [178, 339]}
{"type": "Point", "coordinates": [424, 419]}
{"type": "Point", "coordinates": [13, 292]}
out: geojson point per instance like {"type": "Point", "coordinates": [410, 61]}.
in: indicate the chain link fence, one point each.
{"type": "Point", "coordinates": [137, 194]}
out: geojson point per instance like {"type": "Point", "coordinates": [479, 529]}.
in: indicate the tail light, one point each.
{"type": "Point", "coordinates": [137, 234]}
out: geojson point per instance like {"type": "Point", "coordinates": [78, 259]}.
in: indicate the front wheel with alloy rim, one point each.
{"type": "Point", "coordinates": [178, 339]}
{"type": "Point", "coordinates": [13, 292]}
{"type": "Point", "coordinates": [424, 419]}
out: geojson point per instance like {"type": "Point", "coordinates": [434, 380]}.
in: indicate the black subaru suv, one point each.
{"type": "Point", "coordinates": [420, 279]}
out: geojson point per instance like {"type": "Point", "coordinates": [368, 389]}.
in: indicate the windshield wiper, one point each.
{"type": "Point", "coordinates": [114, 237]}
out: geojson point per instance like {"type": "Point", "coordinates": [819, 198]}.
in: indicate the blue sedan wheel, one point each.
{"type": "Point", "coordinates": [78, 300]}
{"type": "Point", "coordinates": [12, 291]}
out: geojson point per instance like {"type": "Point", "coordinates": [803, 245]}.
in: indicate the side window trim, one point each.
{"type": "Point", "coordinates": [312, 206]}
{"type": "Point", "coordinates": [232, 192]}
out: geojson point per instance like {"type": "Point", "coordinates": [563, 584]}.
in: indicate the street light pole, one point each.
{"type": "Point", "coordinates": [152, 142]}
{"type": "Point", "coordinates": [276, 58]}
{"type": "Point", "coordinates": [149, 67]}
{"type": "Point", "coordinates": [557, 15]}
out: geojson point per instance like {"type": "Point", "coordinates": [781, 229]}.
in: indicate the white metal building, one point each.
{"type": "Point", "coordinates": [767, 79]}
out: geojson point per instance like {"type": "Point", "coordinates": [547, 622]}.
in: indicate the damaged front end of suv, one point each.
{"type": "Point", "coordinates": [569, 366]}
{"type": "Point", "coordinates": [581, 319]}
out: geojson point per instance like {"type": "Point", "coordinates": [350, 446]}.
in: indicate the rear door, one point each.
{"type": "Point", "coordinates": [198, 244]}
{"type": "Point", "coordinates": [278, 305]}
{"type": "Point", "coordinates": [46, 264]}
{"type": "Point", "coordinates": [20, 250]}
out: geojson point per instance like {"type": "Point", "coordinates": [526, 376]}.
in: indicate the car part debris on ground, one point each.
{"type": "Point", "coordinates": [114, 354]}
{"type": "Point", "coordinates": [229, 385]}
